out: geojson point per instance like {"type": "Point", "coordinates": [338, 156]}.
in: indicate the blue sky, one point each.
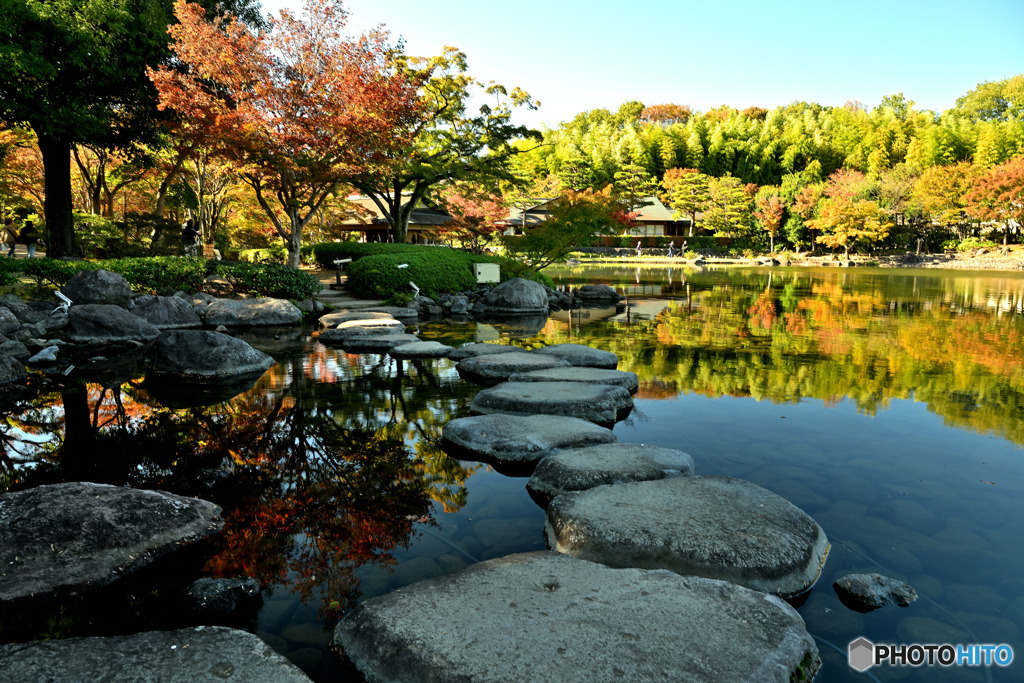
{"type": "Point", "coordinates": [573, 56]}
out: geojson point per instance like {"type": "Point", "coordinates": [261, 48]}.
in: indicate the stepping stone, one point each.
{"type": "Point", "coordinates": [68, 537]}
{"type": "Point", "coordinates": [515, 443]}
{"type": "Point", "coordinates": [338, 317]}
{"type": "Point", "coordinates": [421, 349]}
{"type": "Point", "coordinates": [375, 344]}
{"type": "Point", "coordinates": [480, 349]}
{"type": "Point", "coordinates": [491, 369]}
{"type": "Point", "coordinates": [716, 527]}
{"type": "Point", "coordinates": [619, 378]}
{"type": "Point", "coordinates": [202, 653]}
{"type": "Point", "coordinates": [579, 469]}
{"type": "Point", "coordinates": [362, 328]}
{"type": "Point", "coordinates": [581, 356]}
{"type": "Point", "coordinates": [600, 403]}
{"type": "Point", "coordinates": [546, 617]}
{"type": "Point", "coordinates": [397, 312]}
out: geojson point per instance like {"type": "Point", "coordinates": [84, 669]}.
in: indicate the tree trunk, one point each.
{"type": "Point", "coordinates": [295, 241]}
{"type": "Point", "coordinates": [60, 231]}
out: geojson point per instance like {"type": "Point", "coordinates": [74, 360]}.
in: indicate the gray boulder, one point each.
{"type": "Point", "coordinates": [45, 355]}
{"type": "Point", "coordinates": [716, 527]}
{"type": "Point", "coordinates": [866, 592]}
{"type": "Point", "coordinates": [107, 324]}
{"type": "Point", "coordinates": [72, 536]}
{"type": "Point", "coordinates": [600, 403]}
{"type": "Point", "coordinates": [98, 287]}
{"type": "Point", "coordinates": [517, 296]}
{"type": "Point", "coordinates": [516, 443]}
{"type": "Point", "coordinates": [252, 313]}
{"type": "Point", "coordinates": [498, 367]}
{"type": "Point", "coordinates": [544, 617]}
{"type": "Point", "coordinates": [598, 293]}
{"type": "Point", "coordinates": [12, 371]}
{"type": "Point", "coordinates": [14, 349]}
{"type": "Point", "coordinates": [8, 321]}
{"type": "Point", "coordinates": [579, 469]}
{"type": "Point", "coordinates": [619, 378]}
{"type": "Point", "coordinates": [421, 349]}
{"type": "Point", "coordinates": [205, 355]}
{"type": "Point", "coordinates": [202, 653]}
{"type": "Point", "coordinates": [480, 349]}
{"type": "Point", "coordinates": [581, 356]}
{"type": "Point", "coordinates": [166, 312]}
{"type": "Point", "coordinates": [374, 344]}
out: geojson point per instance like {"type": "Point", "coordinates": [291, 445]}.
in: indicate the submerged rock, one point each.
{"type": "Point", "coordinates": [866, 592]}
{"type": "Point", "coordinates": [579, 469]}
{"type": "Point", "coordinates": [546, 617]}
{"type": "Point", "coordinates": [498, 367]}
{"type": "Point", "coordinates": [600, 403]}
{"type": "Point", "coordinates": [716, 527]}
{"type": "Point", "coordinates": [224, 597]}
{"type": "Point", "coordinates": [580, 355]}
{"type": "Point", "coordinates": [516, 443]}
{"type": "Point", "coordinates": [602, 293]}
{"type": "Point", "coordinates": [202, 653]}
{"type": "Point", "coordinates": [77, 535]}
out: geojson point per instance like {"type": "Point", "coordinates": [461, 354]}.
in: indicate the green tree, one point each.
{"type": "Point", "coordinates": [728, 213]}
{"type": "Point", "coordinates": [687, 191]}
{"type": "Point", "coordinates": [633, 185]}
{"type": "Point", "coordinates": [994, 101]}
{"type": "Point", "coordinates": [451, 143]}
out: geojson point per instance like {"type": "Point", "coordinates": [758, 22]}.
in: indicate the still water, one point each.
{"type": "Point", "coordinates": [887, 404]}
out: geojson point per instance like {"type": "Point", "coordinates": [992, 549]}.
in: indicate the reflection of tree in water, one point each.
{"type": "Point", "coordinates": [327, 464]}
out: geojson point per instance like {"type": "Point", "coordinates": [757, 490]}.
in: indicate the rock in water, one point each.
{"type": "Point", "coordinates": [77, 535]}
{"type": "Point", "coordinates": [546, 617]}
{"type": "Point", "coordinates": [600, 403]}
{"type": "Point", "coordinates": [98, 287]}
{"type": "Point", "coordinates": [716, 527]}
{"type": "Point", "coordinates": [579, 355]}
{"type": "Point", "coordinates": [252, 312]}
{"type": "Point", "coordinates": [865, 592]}
{"type": "Point", "coordinates": [203, 653]}
{"type": "Point", "coordinates": [517, 297]}
{"type": "Point", "coordinates": [205, 355]}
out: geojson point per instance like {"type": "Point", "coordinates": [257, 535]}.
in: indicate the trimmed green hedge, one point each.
{"type": "Point", "coordinates": [164, 273]}
{"type": "Point", "coordinates": [275, 255]}
{"type": "Point", "coordinates": [326, 252]}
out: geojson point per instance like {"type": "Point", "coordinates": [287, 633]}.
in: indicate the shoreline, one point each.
{"type": "Point", "coordinates": [989, 262]}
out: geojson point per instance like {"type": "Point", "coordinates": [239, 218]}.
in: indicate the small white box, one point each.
{"type": "Point", "coordinates": [486, 272]}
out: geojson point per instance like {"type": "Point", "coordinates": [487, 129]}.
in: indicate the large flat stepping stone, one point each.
{"type": "Point", "coordinates": [67, 537]}
{"type": "Point", "coordinates": [374, 344]}
{"type": "Point", "coordinates": [516, 443]}
{"type": "Point", "coordinates": [579, 469]}
{"type": "Point", "coordinates": [600, 403]}
{"type": "Point", "coordinates": [619, 378]}
{"type": "Point", "coordinates": [480, 349]}
{"type": "Point", "coordinates": [421, 349]}
{"type": "Point", "coordinates": [716, 527]}
{"type": "Point", "coordinates": [398, 312]}
{"type": "Point", "coordinates": [336, 318]}
{"type": "Point", "coordinates": [202, 653]}
{"type": "Point", "coordinates": [362, 328]}
{"type": "Point", "coordinates": [546, 617]}
{"type": "Point", "coordinates": [581, 355]}
{"type": "Point", "coordinates": [498, 367]}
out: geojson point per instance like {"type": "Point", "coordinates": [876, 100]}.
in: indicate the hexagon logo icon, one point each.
{"type": "Point", "coordinates": [861, 654]}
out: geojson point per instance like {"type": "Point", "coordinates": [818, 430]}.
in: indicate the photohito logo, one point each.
{"type": "Point", "coordinates": [863, 654]}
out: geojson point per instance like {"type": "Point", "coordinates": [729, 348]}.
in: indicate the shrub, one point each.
{"type": "Point", "coordinates": [325, 253]}
{"type": "Point", "coordinates": [268, 279]}
{"type": "Point", "coordinates": [976, 243]}
{"type": "Point", "coordinates": [276, 255]}
{"type": "Point", "coordinates": [435, 271]}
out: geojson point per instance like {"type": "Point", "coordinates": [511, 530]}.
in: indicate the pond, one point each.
{"type": "Point", "coordinates": [887, 404]}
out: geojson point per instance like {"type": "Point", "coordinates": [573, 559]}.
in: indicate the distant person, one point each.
{"type": "Point", "coordinates": [670, 246]}
{"type": "Point", "coordinates": [190, 237]}
{"type": "Point", "coordinates": [10, 237]}
{"type": "Point", "coordinates": [29, 236]}
{"type": "Point", "coordinates": [638, 249]}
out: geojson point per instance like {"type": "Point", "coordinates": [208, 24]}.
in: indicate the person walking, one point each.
{"type": "Point", "coordinates": [10, 237]}
{"type": "Point", "coordinates": [638, 249]}
{"type": "Point", "coordinates": [28, 236]}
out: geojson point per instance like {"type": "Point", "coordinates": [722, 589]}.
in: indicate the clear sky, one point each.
{"type": "Point", "coordinates": [573, 56]}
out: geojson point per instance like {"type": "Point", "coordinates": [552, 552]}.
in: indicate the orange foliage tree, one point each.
{"type": "Point", "coordinates": [296, 110]}
{"type": "Point", "coordinates": [998, 195]}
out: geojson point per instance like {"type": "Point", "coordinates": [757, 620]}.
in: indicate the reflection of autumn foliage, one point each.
{"type": "Point", "coordinates": [657, 389]}
{"type": "Point", "coordinates": [762, 312]}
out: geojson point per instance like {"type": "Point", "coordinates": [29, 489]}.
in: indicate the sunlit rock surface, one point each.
{"type": "Point", "coordinates": [619, 378]}
{"type": "Point", "coordinates": [578, 469]}
{"type": "Point", "coordinates": [600, 403]}
{"type": "Point", "coordinates": [362, 328]}
{"type": "Point", "coordinates": [203, 653]}
{"type": "Point", "coordinates": [421, 349]}
{"type": "Point", "coordinates": [66, 537]}
{"type": "Point", "coordinates": [516, 441]}
{"type": "Point", "coordinates": [338, 317]}
{"type": "Point", "coordinates": [498, 367]}
{"type": "Point", "coordinates": [581, 356]}
{"type": "Point", "coordinates": [547, 617]}
{"type": "Point", "coordinates": [716, 527]}
{"type": "Point", "coordinates": [252, 313]}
